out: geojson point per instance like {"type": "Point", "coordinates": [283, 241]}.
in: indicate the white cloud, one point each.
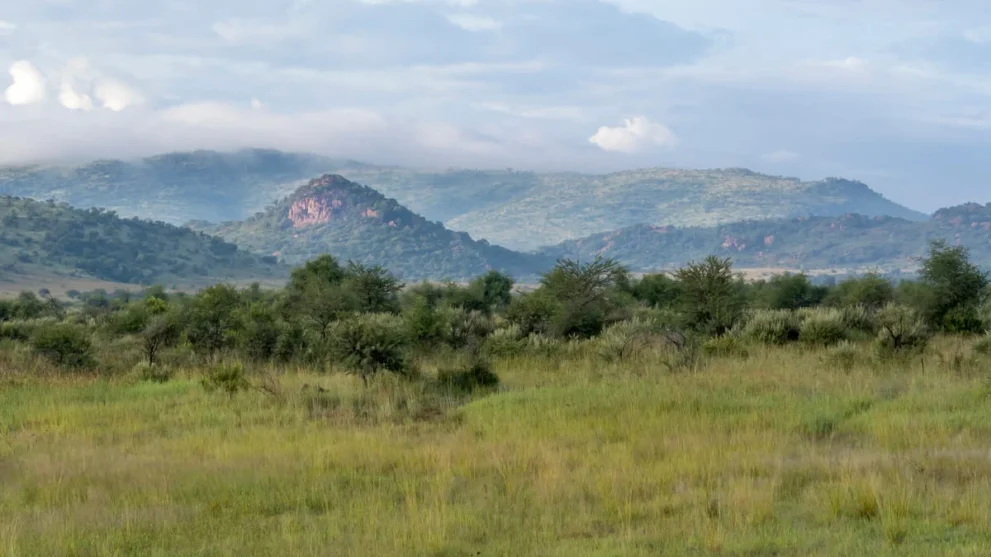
{"type": "Point", "coordinates": [470, 22]}
{"type": "Point", "coordinates": [636, 135]}
{"type": "Point", "coordinates": [74, 100]}
{"type": "Point", "coordinates": [781, 155]}
{"type": "Point", "coordinates": [851, 64]}
{"type": "Point", "coordinates": [257, 104]}
{"type": "Point", "coordinates": [6, 27]}
{"type": "Point", "coordinates": [116, 95]}
{"type": "Point", "coordinates": [28, 87]}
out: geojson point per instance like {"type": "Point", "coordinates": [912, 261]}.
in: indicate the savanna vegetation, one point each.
{"type": "Point", "coordinates": [350, 414]}
{"type": "Point", "coordinates": [54, 238]}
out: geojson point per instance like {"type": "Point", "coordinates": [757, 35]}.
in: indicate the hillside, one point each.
{"type": "Point", "coordinates": [849, 241]}
{"type": "Point", "coordinates": [520, 210]}
{"type": "Point", "coordinates": [353, 222]}
{"type": "Point", "coordinates": [39, 239]}
{"type": "Point", "coordinates": [174, 187]}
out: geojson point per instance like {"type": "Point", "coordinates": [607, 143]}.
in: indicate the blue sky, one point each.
{"type": "Point", "coordinates": [894, 93]}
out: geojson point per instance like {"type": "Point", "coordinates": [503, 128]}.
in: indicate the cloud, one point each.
{"type": "Point", "coordinates": [780, 155]}
{"type": "Point", "coordinates": [28, 87]}
{"type": "Point", "coordinates": [471, 22]}
{"type": "Point", "coordinates": [73, 100]}
{"type": "Point", "coordinates": [636, 135]}
{"type": "Point", "coordinates": [116, 95]}
{"type": "Point", "coordinates": [6, 27]}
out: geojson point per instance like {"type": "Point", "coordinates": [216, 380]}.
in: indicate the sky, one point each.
{"type": "Point", "coordinates": [895, 93]}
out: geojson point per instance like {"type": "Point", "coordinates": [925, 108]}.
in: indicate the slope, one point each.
{"type": "Point", "coordinates": [566, 206]}
{"type": "Point", "coordinates": [352, 222]}
{"type": "Point", "coordinates": [48, 239]}
{"type": "Point", "coordinates": [174, 187]}
{"type": "Point", "coordinates": [849, 241]}
{"type": "Point", "coordinates": [521, 210]}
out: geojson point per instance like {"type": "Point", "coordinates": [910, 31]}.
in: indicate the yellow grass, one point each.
{"type": "Point", "coordinates": [779, 454]}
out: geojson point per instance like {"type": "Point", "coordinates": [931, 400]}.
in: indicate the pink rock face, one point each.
{"type": "Point", "coordinates": [370, 213]}
{"type": "Point", "coordinates": [769, 240]}
{"type": "Point", "coordinates": [313, 210]}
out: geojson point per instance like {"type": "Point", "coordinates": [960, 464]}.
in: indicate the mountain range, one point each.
{"type": "Point", "coordinates": [446, 224]}
{"type": "Point", "coordinates": [45, 239]}
{"type": "Point", "coordinates": [516, 209]}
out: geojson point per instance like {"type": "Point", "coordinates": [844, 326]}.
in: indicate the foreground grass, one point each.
{"type": "Point", "coordinates": [778, 454]}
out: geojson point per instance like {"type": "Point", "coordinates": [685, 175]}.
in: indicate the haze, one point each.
{"type": "Point", "coordinates": [893, 93]}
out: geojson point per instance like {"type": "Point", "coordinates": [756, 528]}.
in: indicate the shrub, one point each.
{"type": "Point", "coordinates": [844, 355]}
{"type": "Point", "coordinates": [983, 345]}
{"type": "Point", "coordinates": [506, 341]}
{"type": "Point", "coordinates": [64, 345]}
{"type": "Point", "coordinates": [711, 298]}
{"type": "Point", "coordinates": [425, 325]}
{"type": "Point", "coordinates": [823, 327]}
{"type": "Point", "coordinates": [369, 343]}
{"type": "Point", "coordinates": [902, 332]}
{"type": "Point", "coordinates": [533, 312]}
{"type": "Point", "coordinates": [467, 328]}
{"type": "Point", "coordinates": [772, 327]}
{"type": "Point", "coordinates": [154, 373]}
{"type": "Point", "coordinates": [725, 347]}
{"type": "Point", "coordinates": [293, 343]}
{"type": "Point", "coordinates": [625, 340]}
{"type": "Point", "coordinates": [229, 378]}
{"type": "Point", "coordinates": [860, 319]}
{"type": "Point", "coordinates": [161, 332]}
{"type": "Point", "coordinates": [476, 376]}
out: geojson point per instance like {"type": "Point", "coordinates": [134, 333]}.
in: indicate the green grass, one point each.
{"type": "Point", "coordinates": [778, 454]}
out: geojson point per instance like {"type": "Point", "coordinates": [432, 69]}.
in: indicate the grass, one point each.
{"type": "Point", "coordinates": [777, 454]}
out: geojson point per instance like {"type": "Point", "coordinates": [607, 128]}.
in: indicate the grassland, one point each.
{"type": "Point", "coordinates": [783, 452]}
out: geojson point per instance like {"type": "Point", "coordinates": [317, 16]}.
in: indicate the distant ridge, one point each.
{"type": "Point", "coordinates": [333, 215]}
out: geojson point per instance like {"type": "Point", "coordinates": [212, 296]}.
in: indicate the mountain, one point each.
{"type": "Point", "coordinates": [567, 206]}
{"type": "Point", "coordinates": [520, 210]}
{"type": "Point", "coordinates": [333, 215]}
{"type": "Point", "coordinates": [47, 239]}
{"type": "Point", "coordinates": [851, 241]}
{"type": "Point", "coordinates": [174, 187]}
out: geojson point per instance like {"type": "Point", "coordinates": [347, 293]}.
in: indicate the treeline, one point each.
{"type": "Point", "coordinates": [363, 320]}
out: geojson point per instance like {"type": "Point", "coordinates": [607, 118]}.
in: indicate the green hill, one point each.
{"type": "Point", "coordinates": [45, 239]}
{"type": "Point", "coordinates": [847, 242]}
{"type": "Point", "coordinates": [519, 210]}
{"type": "Point", "coordinates": [174, 187]}
{"type": "Point", "coordinates": [353, 222]}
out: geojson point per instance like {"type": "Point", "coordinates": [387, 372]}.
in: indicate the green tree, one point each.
{"type": "Point", "coordinates": [64, 345]}
{"type": "Point", "coordinates": [958, 289]}
{"type": "Point", "coordinates": [710, 297]}
{"type": "Point", "coordinates": [373, 288]}
{"type": "Point", "coordinates": [658, 290]}
{"type": "Point", "coordinates": [212, 322]}
{"type": "Point", "coordinates": [871, 291]}
{"type": "Point", "coordinates": [791, 291]}
{"type": "Point", "coordinates": [162, 331]}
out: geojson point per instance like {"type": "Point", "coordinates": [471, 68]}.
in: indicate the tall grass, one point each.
{"type": "Point", "coordinates": [781, 453]}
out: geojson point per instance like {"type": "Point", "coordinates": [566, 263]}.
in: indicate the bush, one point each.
{"type": "Point", "coordinates": [293, 343]}
{"type": "Point", "coordinates": [902, 332]}
{"type": "Point", "coordinates": [772, 327]}
{"type": "Point", "coordinates": [823, 328]}
{"type": "Point", "coordinates": [860, 319]}
{"type": "Point", "coordinates": [506, 341]}
{"type": "Point", "coordinates": [476, 376]}
{"type": "Point", "coordinates": [725, 347]}
{"type": "Point", "coordinates": [467, 328]}
{"type": "Point", "coordinates": [154, 373]}
{"type": "Point", "coordinates": [625, 340]}
{"type": "Point", "coordinates": [369, 343]}
{"type": "Point", "coordinates": [844, 355]}
{"type": "Point", "coordinates": [425, 325]}
{"type": "Point", "coordinates": [65, 346]}
{"type": "Point", "coordinates": [229, 378]}
{"type": "Point", "coordinates": [983, 345]}
{"type": "Point", "coordinates": [533, 313]}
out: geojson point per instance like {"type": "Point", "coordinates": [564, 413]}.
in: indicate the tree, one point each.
{"type": "Point", "coordinates": [369, 343]}
{"type": "Point", "coordinates": [871, 291]}
{"type": "Point", "coordinates": [64, 345]}
{"type": "Point", "coordinates": [657, 291]}
{"type": "Point", "coordinates": [213, 319]}
{"type": "Point", "coordinates": [710, 297]}
{"type": "Point", "coordinates": [373, 288]}
{"type": "Point", "coordinates": [586, 294]}
{"type": "Point", "coordinates": [958, 288]}
{"type": "Point", "coordinates": [496, 289]}
{"type": "Point", "coordinates": [790, 291]}
{"type": "Point", "coordinates": [161, 332]}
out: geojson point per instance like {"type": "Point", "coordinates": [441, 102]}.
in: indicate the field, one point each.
{"type": "Point", "coordinates": [784, 451]}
